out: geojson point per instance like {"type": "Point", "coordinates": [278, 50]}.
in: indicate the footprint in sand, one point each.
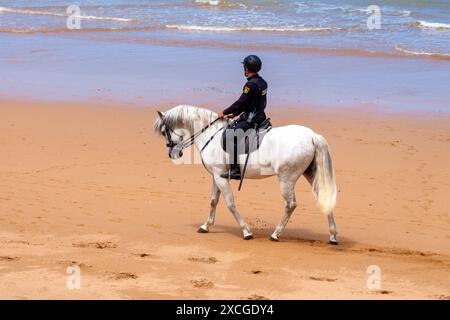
{"type": "Point", "coordinates": [257, 297]}
{"type": "Point", "coordinates": [256, 271]}
{"type": "Point", "coordinates": [202, 283]}
{"type": "Point", "coordinates": [381, 292]}
{"type": "Point", "coordinates": [74, 262]}
{"type": "Point", "coordinates": [7, 258]}
{"type": "Point", "coordinates": [143, 255]}
{"type": "Point", "coordinates": [96, 244]}
{"type": "Point", "coordinates": [209, 260]}
{"type": "Point", "coordinates": [124, 275]}
{"type": "Point", "coordinates": [323, 279]}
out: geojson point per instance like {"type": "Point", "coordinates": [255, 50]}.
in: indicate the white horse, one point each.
{"type": "Point", "coordinates": [288, 152]}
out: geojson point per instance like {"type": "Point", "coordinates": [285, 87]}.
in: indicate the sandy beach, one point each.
{"type": "Point", "coordinates": [91, 185]}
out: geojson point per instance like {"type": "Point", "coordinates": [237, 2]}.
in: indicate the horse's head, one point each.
{"type": "Point", "coordinates": [174, 136]}
{"type": "Point", "coordinates": [181, 125]}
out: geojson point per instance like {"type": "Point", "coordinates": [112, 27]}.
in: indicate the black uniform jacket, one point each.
{"type": "Point", "coordinates": [253, 99]}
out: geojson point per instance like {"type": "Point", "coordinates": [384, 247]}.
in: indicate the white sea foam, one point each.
{"type": "Point", "coordinates": [433, 25]}
{"type": "Point", "coordinates": [210, 2]}
{"type": "Point", "coordinates": [423, 53]}
{"type": "Point", "coordinates": [220, 3]}
{"type": "Point", "coordinates": [403, 13]}
{"type": "Point", "coordinates": [249, 29]}
{"type": "Point", "coordinates": [55, 14]}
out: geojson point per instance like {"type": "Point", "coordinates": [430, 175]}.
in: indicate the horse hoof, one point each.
{"type": "Point", "coordinates": [272, 238]}
{"type": "Point", "coordinates": [249, 237]}
{"type": "Point", "coordinates": [201, 230]}
{"type": "Point", "coordinates": [334, 242]}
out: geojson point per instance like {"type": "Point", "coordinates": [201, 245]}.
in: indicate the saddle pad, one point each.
{"type": "Point", "coordinates": [229, 138]}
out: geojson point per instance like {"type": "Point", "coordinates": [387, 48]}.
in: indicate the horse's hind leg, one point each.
{"type": "Point", "coordinates": [225, 188]}
{"type": "Point", "coordinates": [309, 175]}
{"type": "Point", "coordinates": [332, 228]}
{"type": "Point", "coordinates": [215, 195]}
{"type": "Point", "coordinates": [288, 191]}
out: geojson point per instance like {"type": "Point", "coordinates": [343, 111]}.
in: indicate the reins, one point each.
{"type": "Point", "coordinates": [228, 125]}
{"type": "Point", "coordinates": [189, 141]}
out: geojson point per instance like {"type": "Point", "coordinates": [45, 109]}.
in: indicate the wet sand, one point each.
{"type": "Point", "coordinates": [92, 186]}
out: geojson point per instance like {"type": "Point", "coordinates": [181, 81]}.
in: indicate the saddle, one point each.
{"type": "Point", "coordinates": [250, 140]}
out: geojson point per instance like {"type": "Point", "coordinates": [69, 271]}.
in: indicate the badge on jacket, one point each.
{"type": "Point", "coordinates": [246, 89]}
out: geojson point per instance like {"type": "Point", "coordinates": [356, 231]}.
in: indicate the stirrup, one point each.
{"type": "Point", "coordinates": [226, 175]}
{"type": "Point", "coordinates": [229, 176]}
{"type": "Point", "coordinates": [235, 177]}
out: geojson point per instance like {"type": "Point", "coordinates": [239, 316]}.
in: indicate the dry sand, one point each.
{"type": "Point", "coordinates": [92, 186]}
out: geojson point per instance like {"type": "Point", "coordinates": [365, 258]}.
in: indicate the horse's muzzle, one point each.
{"type": "Point", "coordinates": [175, 152]}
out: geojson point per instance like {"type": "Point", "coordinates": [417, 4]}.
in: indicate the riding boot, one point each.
{"type": "Point", "coordinates": [235, 172]}
{"type": "Point", "coordinates": [235, 168]}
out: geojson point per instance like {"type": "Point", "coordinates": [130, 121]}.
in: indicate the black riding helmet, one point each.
{"type": "Point", "coordinates": [253, 63]}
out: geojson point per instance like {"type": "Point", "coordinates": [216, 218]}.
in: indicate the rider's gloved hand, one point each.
{"type": "Point", "coordinates": [226, 116]}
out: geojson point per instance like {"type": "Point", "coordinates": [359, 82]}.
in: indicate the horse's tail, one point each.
{"type": "Point", "coordinates": [323, 181]}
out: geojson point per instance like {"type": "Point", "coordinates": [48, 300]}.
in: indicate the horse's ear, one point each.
{"type": "Point", "coordinates": [160, 114]}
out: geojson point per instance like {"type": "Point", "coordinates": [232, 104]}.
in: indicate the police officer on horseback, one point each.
{"type": "Point", "coordinates": [249, 107]}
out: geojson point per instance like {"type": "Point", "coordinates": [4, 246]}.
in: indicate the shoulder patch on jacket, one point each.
{"type": "Point", "coordinates": [246, 89]}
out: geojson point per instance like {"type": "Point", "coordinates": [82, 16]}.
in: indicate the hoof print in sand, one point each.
{"type": "Point", "coordinates": [322, 279]}
{"type": "Point", "coordinates": [381, 292]}
{"type": "Point", "coordinates": [7, 258]}
{"type": "Point", "coordinates": [209, 260]}
{"type": "Point", "coordinates": [256, 271]}
{"type": "Point", "coordinates": [96, 244]}
{"type": "Point", "coordinates": [124, 275]}
{"type": "Point", "coordinates": [69, 263]}
{"type": "Point", "coordinates": [257, 297]}
{"type": "Point", "coordinates": [202, 283]}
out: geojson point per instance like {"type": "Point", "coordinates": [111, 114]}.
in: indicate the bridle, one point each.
{"type": "Point", "coordinates": [189, 141]}
{"type": "Point", "coordinates": [168, 132]}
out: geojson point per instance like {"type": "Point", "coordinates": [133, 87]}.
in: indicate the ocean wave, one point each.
{"type": "Point", "coordinates": [63, 15]}
{"type": "Point", "coordinates": [438, 55]}
{"type": "Point", "coordinates": [402, 13]}
{"type": "Point", "coordinates": [156, 39]}
{"type": "Point", "coordinates": [193, 28]}
{"type": "Point", "coordinates": [250, 29]}
{"type": "Point", "coordinates": [208, 2]}
{"type": "Point", "coordinates": [431, 25]}
{"type": "Point", "coordinates": [219, 3]}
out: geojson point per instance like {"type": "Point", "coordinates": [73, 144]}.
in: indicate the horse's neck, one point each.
{"type": "Point", "coordinates": [203, 139]}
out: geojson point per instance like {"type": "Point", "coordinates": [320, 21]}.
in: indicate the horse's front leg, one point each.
{"type": "Point", "coordinates": [215, 194]}
{"type": "Point", "coordinates": [225, 187]}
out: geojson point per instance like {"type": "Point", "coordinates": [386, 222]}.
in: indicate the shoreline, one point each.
{"type": "Point", "coordinates": [283, 110]}
{"type": "Point", "coordinates": [394, 53]}
{"type": "Point", "coordinates": [141, 74]}
{"type": "Point", "coordinates": [93, 186]}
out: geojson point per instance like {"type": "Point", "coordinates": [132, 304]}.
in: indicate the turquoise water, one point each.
{"type": "Point", "coordinates": [149, 52]}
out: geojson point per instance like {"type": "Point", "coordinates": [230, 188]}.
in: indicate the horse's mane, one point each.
{"type": "Point", "coordinates": [184, 116]}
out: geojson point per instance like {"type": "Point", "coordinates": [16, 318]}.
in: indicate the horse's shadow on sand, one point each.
{"type": "Point", "coordinates": [291, 235]}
